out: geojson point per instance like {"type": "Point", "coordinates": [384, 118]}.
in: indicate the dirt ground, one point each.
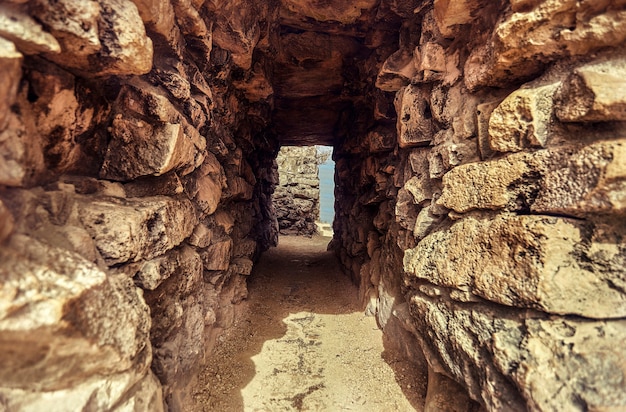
{"type": "Point", "coordinates": [304, 344]}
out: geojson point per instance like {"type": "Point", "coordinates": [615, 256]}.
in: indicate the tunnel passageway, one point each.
{"type": "Point", "coordinates": [303, 343]}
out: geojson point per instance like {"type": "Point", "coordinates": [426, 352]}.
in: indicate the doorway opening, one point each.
{"type": "Point", "coordinates": [326, 173]}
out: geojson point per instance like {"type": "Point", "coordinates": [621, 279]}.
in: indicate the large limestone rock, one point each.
{"type": "Point", "coordinates": [180, 306]}
{"type": "Point", "coordinates": [97, 38]}
{"type": "Point", "coordinates": [134, 229]}
{"type": "Point", "coordinates": [576, 181]}
{"type": "Point", "coordinates": [523, 119]}
{"type": "Point", "coordinates": [91, 329]}
{"type": "Point", "coordinates": [25, 32]}
{"type": "Point", "coordinates": [534, 33]}
{"type": "Point", "coordinates": [150, 137]}
{"type": "Point", "coordinates": [520, 360]}
{"type": "Point", "coordinates": [552, 264]}
{"type": "Point", "coordinates": [594, 92]}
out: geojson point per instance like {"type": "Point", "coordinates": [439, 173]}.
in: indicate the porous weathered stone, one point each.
{"type": "Point", "coordinates": [181, 307]}
{"type": "Point", "coordinates": [28, 36]}
{"type": "Point", "coordinates": [450, 14]}
{"type": "Point", "coordinates": [84, 323]}
{"type": "Point", "coordinates": [217, 256]}
{"type": "Point", "coordinates": [135, 229]}
{"type": "Point", "coordinates": [241, 266]}
{"type": "Point", "coordinates": [397, 71]}
{"type": "Point", "coordinates": [10, 69]}
{"type": "Point", "coordinates": [553, 264]}
{"type": "Point", "coordinates": [575, 181]}
{"type": "Point", "coordinates": [521, 361]}
{"type": "Point", "coordinates": [138, 148]}
{"type": "Point", "coordinates": [540, 32]}
{"type": "Point", "coordinates": [151, 273]}
{"type": "Point", "coordinates": [414, 126]}
{"type": "Point", "coordinates": [127, 391]}
{"type": "Point", "coordinates": [97, 38]}
{"type": "Point", "coordinates": [236, 29]}
{"type": "Point", "coordinates": [523, 119]}
{"type": "Point", "coordinates": [158, 15]}
{"type": "Point", "coordinates": [594, 92]}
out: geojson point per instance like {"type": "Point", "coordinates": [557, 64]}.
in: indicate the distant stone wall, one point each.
{"type": "Point", "coordinates": [296, 198]}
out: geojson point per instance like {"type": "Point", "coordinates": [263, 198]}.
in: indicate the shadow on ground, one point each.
{"type": "Point", "coordinates": [303, 343]}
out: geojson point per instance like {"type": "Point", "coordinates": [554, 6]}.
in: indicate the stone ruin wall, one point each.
{"type": "Point", "coordinates": [499, 195]}
{"type": "Point", "coordinates": [135, 194]}
{"type": "Point", "coordinates": [480, 192]}
{"type": "Point", "coordinates": [297, 195]}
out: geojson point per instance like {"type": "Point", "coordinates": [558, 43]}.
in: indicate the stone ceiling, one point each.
{"type": "Point", "coordinates": [322, 45]}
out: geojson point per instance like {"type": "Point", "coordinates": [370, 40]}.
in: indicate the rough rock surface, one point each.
{"type": "Point", "coordinates": [296, 198]}
{"type": "Point", "coordinates": [481, 188]}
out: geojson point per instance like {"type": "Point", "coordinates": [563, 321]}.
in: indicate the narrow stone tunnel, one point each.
{"type": "Point", "coordinates": [480, 151]}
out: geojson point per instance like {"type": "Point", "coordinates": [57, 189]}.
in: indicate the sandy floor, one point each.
{"type": "Point", "coordinates": [303, 344]}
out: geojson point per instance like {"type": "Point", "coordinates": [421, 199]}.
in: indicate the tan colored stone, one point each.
{"type": "Point", "coordinates": [414, 124]}
{"type": "Point", "coordinates": [179, 307]}
{"type": "Point", "coordinates": [10, 71]}
{"type": "Point", "coordinates": [135, 229]}
{"type": "Point", "coordinates": [139, 148]}
{"type": "Point", "coordinates": [201, 236]}
{"type": "Point", "coordinates": [592, 180]}
{"type": "Point", "coordinates": [420, 189]}
{"type": "Point", "coordinates": [539, 262]}
{"type": "Point", "coordinates": [433, 63]}
{"type": "Point", "coordinates": [236, 29]}
{"type": "Point", "coordinates": [127, 392]}
{"type": "Point", "coordinates": [97, 38]}
{"type": "Point", "coordinates": [241, 266]}
{"type": "Point", "coordinates": [567, 180]}
{"type": "Point", "coordinates": [397, 71]}
{"type": "Point", "coordinates": [150, 274]}
{"type": "Point", "coordinates": [523, 119]}
{"type": "Point", "coordinates": [217, 256]}
{"type": "Point", "coordinates": [451, 13]}
{"type": "Point", "coordinates": [158, 15]}
{"type": "Point", "coordinates": [424, 223]}
{"type": "Point", "coordinates": [594, 93]}
{"type": "Point", "coordinates": [483, 114]}
{"type": "Point", "coordinates": [523, 361]}
{"type": "Point", "coordinates": [28, 36]}
{"type": "Point", "coordinates": [209, 194]}
{"type": "Point", "coordinates": [16, 161]}
{"type": "Point", "coordinates": [146, 395]}
{"type": "Point", "coordinates": [225, 220]}
{"type": "Point", "coordinates": [525, 40]}
{"type": "Point", "coordinates": [59, 307]}
{"type": "Point", "coordinates": [331, 11]}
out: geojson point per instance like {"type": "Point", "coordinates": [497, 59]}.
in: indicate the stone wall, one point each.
{"type": "Point", "coordinates": [297, 195]}
{"type": "Point", "coordinates": [499, 192]}
{"type": "Point", "coordinates": [135, 194]}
